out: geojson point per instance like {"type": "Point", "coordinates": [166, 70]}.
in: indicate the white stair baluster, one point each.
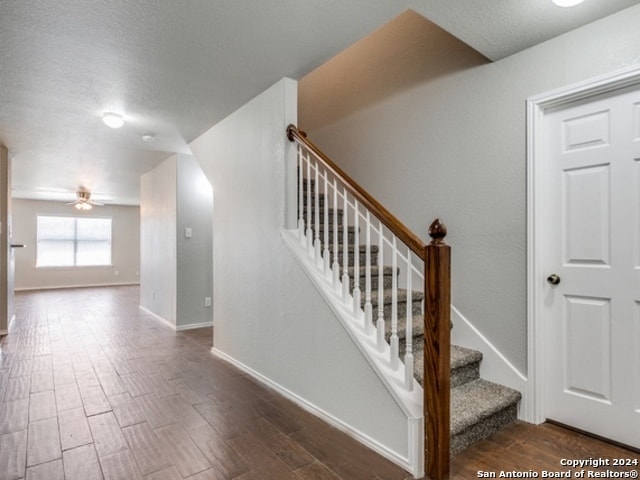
{"type": "Point", "coordinates": [309, 231]}
{"type": "Point", "coordinates": [380, 326]}
{"type": "Point", "coordinates": [408, 357]}
{"type": "Point", "coordinates": [356, 261]}
{"type": "Point", "coordinates": [345, 250]}
{"type": "Point", "coordinates": [336, 264]}
{"type": "Point", "coordinates": [300, 196]}
{"type": "Point", "coordinates": [368, 310]}
{"type": "Point", "coordinates": [325, 252]}
{"type": "Point", "coordinates": [316, 207]}
{"type": "Point", "coordinates": [394, 307]}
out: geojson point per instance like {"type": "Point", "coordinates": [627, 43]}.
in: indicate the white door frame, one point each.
{"type": "Point", "coordinates": [536, 191]}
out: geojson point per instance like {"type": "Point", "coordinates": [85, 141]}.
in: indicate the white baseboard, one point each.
{"type": "Point", "coordinates": [59, 287]}
{"type": "Point", "coordinates": [9, 323]}
{"type": "Point", "coordinates": [173, 326]}
{"type": "Point", "coordinates": [320, 413]}
{"type": "Point", "coordinates": [162, 320]}
{"type": "Point", "coordinates": [494, 367]}
{"type": "Point", "coordinates": [193, 326]}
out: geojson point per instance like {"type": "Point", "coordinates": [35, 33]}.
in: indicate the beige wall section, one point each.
{"type": "Point", "coordinates": [454, 147]}
{"type": "Point", "coordinates": [406, 51]}
{"type": "Point", "coordinates": [125, 254]}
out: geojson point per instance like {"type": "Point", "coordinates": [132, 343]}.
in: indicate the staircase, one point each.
{"type": "Point", "coordinates": [478, 407]}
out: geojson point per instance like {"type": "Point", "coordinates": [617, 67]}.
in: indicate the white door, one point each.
{"type": "Point", "coordinates": [591, 243]}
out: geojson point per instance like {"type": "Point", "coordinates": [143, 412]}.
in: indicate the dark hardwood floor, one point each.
{"type": "Point", "coordinates": [542, 448]}
{"type": "Point", "coordinates": [92, 388]}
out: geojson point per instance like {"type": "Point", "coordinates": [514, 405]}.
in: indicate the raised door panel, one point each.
{"type": "Point", "coordinates": [586, 212]}
{"type": "Point", "coordinates": [586, 131]}
{"type": "Point", "coordinates": [587, 352]}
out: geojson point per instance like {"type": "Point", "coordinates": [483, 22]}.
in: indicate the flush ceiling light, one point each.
{"type": "Point", "coordinates": [112, 120]}
{"type": "Point", "coordinates": [567, 3]}
{"type": "Point", "coordinates": [149, 137]}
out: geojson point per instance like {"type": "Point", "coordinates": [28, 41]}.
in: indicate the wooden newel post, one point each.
{"type": "Point", "coordinates": [437, 339]}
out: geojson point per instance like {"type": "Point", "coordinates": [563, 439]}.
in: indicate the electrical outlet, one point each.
{"type": "Point", "coordinates": [207, 301]}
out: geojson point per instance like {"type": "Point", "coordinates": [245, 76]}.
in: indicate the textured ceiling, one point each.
{"type": "Point", "coordinates": [175, 68]}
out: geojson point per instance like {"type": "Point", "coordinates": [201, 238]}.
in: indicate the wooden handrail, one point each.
{"type": "Point", "coordinates": [437, 313]}
{"type": "Point", "coordinates": [414, 242]}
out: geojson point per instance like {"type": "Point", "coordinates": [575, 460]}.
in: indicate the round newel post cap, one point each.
{"type": "Point", "coordinates": [290, 129]}
{"type": "Point", "coordinates": [437, 232]}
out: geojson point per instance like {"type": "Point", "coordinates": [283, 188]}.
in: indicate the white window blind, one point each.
{"type": "Point", "coordinates": [73, 241]}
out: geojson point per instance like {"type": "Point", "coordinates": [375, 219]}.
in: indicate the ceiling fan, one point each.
{"type": "Point", "coordinates": [83, 200]}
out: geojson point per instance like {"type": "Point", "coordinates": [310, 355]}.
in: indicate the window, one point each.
{"type": "Point", "coordinates": [73, 241]}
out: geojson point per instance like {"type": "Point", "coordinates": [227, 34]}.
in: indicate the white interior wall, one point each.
{"type": "Point", "coordinates": [158, 267]}
{"type": "Point", "coordinates": [125, 247]}
{"type": "Point", "coordinates": [6, 277]}
{"type": "Point", "coordinates": [268, 316]}
{"type": "Point", "coordinates": [194, 254]}
{"type": "Point", "coordinates": [454, 148]}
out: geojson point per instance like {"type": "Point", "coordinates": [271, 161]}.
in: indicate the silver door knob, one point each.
{"type": "Point", "coordinates": [553, 279]}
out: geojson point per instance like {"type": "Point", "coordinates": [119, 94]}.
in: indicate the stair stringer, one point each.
{"type": "Point", "coordinates": [410, 402]}
{"type": "Point", "coordinates": [494, 367]}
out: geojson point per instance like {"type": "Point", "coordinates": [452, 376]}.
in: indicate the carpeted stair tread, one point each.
{"type": "Point", "coordinates": [361, 248]}
{"type": "Point", "coordinates": [387, 303]}
{"type": "Point", "coordinates": [321, 199]}
{"type": "Point", "coordinates": [475, 401]}
{"type": "Point", "coordinates": [321, 212]}
{"type": "Point", "coordinates": [461, 356]}
{"type": "Point", "coordinates": [402, 296]}
{"type": "Point", "coordinates": [331, 234]}
{"type": "Point", "coordinates": [387, 270]}
{"type": "Point", "coordinates": [387, 277]}
{"type": "Point", "coordinates": [417, 329]}
{"type": "Point", "coordinates": [465, 363]}
{"type": "Point", "coordinates": [351, 233]}
{"type": "Point", "coordinates": [313, 205]}
{"type": "Point", "coordinates": [350, 229]}
{"type": "Point", "coordinates": [362, 254]}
